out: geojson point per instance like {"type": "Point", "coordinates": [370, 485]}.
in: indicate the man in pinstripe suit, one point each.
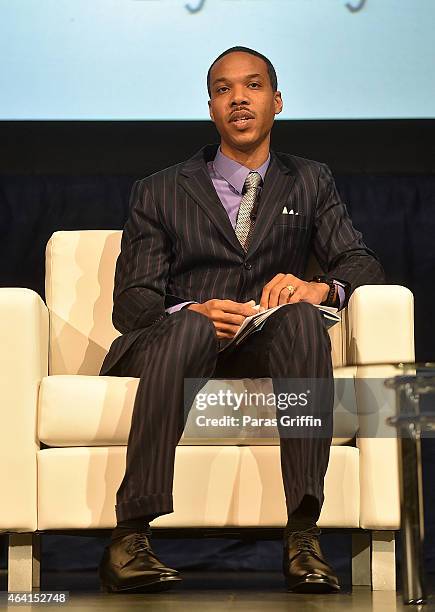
{"type": "Point", "coordinates": [205, 240]}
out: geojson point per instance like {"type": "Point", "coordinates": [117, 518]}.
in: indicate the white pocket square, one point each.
{"type": "Point", "coordinates": [288, 212]}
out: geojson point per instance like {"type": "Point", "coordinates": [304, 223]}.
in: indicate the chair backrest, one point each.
{"type": "Point", "coordinates": [79, 278]}
{"type": "Point", "coordinates": [80, 267]}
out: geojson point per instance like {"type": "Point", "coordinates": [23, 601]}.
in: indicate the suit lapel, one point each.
{"type": "Point", "coordinates": [278, 183]}
{"type": "Point", "coordinates": [195, 180]}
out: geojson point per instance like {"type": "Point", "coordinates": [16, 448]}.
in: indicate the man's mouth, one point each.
{"type": "Point", "coordinates": [241, 119]}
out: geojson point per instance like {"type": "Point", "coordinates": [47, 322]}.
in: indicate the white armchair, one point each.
{"type": "Point", "coordinates": [50, 357]}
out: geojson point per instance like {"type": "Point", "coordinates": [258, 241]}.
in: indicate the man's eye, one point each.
{"type": "Point", "coordinates": [253, 83]}
{"type": "Point", "coordinates": [220, 88]}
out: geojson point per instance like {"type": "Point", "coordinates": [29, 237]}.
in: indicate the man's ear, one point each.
{"type": "Point", "coordinates": [210, 110]}
{"type": "Point", "coordinates": [278, 102]}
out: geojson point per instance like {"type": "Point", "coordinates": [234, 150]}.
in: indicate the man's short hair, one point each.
{"type": "Point", "coordinates": [270, 68]}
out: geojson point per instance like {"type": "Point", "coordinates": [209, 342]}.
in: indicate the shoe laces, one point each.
{"type": "Point", "coordinates": [305, 541]}
{"type": "Point", "coordinates": [139, 542]}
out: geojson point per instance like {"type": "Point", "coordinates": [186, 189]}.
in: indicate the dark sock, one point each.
{"type": "Point", "coordinates": [139, 524]}
{"type": "Point", "coordinates": [304, 517]}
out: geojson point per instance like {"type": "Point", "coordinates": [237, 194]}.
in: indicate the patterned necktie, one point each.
{"type": "Point", "coordinates": [244, 223]}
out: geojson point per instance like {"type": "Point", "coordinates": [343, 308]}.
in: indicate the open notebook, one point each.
{"type": "Point", "coordinates": [255, 322]}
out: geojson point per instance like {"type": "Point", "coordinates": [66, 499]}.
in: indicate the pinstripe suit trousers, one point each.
{"type": "Point", "coordinates": [293, 343]}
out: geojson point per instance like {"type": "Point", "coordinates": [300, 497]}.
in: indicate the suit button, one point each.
{"type": "Point", "coordinates": [248, 266]}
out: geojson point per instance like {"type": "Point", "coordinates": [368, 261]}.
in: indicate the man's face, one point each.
{"type": "Point", "coordinates": [242, 105]}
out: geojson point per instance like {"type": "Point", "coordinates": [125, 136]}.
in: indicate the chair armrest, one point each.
{"type": "Point", "coordinates": [378, 325]}
{"type": "Point", "coordinates": [378, 449]}
{"type": "Point", "coordinates": [378, 328]}
{"type": "Point", "coordinates": [23, 363]}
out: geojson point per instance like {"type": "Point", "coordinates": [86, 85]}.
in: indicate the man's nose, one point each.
{"type": "Point", "coordinates": [239, 97]}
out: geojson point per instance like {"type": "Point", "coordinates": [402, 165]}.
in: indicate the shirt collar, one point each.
{"type": "Point", "coordinates": [234, 172]}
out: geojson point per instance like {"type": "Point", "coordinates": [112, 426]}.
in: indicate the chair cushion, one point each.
{"type": "Point", "coordinates": [96, 411]}
{"type": "Point", "coordinates": [214, 486]}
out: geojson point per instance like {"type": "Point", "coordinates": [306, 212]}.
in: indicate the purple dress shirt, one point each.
{"type": "Point", "coordinates": [228, 177]}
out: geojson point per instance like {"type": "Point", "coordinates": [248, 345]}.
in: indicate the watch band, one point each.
{"type": "Point", "coordinates": [331, 298]}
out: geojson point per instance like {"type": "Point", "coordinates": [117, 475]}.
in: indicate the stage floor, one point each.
{"type": "Point", "coordinates": [219, 591]}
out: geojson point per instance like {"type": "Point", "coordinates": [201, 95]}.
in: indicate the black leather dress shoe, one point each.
{"type": "Point", "coordinates": [129, 564]}
{"type": "Point", "coordinates": [304, 566]}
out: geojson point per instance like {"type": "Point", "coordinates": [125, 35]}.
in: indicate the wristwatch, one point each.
{"type": "Point", "coordinates": [331, 298]}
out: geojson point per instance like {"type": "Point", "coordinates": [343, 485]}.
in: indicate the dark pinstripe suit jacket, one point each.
{"type": "Point", "coordinates": [178, 243]}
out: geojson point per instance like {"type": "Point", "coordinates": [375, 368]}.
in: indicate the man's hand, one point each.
{"type": "Point", "coordinates": [227, 316]}
{"type": "Point", "coordinates": [276, 291]}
